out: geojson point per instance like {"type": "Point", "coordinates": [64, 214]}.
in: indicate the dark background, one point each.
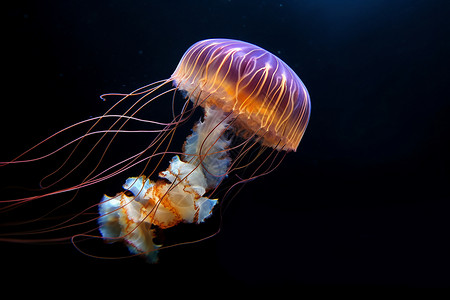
{"type": "Point", "coordinates": [363, 202]}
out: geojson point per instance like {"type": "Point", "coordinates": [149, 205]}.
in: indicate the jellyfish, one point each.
{"type": "Point", "coordinates": [254, 108]}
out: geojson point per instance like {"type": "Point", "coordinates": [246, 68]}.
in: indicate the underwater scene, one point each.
{"type": "Point", "coordinates": [193, 144]}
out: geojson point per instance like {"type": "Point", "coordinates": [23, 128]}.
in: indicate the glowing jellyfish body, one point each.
{"type": "Point", "coordinates": [255, 107]}
{"type": "Point", "coordinates": [245, 91]}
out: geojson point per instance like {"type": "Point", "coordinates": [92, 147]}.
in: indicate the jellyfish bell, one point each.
{"type": "Point", "coordinates": [251, 99]}
{"type": "Point", "coordinates": [262, 92]}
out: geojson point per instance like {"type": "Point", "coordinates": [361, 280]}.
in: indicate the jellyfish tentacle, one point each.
{"type": "Point", "coordinates": [178, 196]}
{"type": "Point", "coordinates": [206, 144]}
